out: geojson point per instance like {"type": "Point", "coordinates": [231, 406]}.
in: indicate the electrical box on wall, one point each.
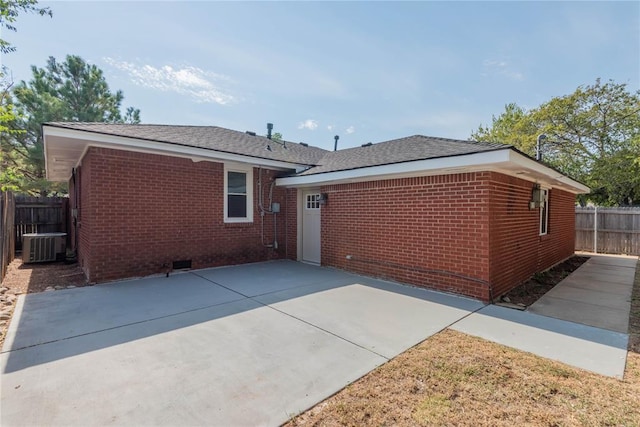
{"type": "Point", "coordinates": [275, 207]}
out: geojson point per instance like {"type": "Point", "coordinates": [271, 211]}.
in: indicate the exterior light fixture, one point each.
{"type": "Point", "coordinates": [536, 197]}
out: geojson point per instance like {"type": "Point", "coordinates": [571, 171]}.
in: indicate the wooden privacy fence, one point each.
{"type": "Point", "coordinates": [608, 230]}
{"type": "Point", "coordinates": [39, 215]}
{"type": "Point", "coordinates": [7, 236]}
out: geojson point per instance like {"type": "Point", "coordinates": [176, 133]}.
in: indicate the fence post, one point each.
{"type": "Point", "coordinates": [595, 230]}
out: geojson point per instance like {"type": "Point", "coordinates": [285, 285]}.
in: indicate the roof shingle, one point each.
{"type": "Point", "coordinates": [215, 138]}
{"type": "Point", "coordinates": [206, 137]}
{"type": "Point", "coordinates": [401, 150]}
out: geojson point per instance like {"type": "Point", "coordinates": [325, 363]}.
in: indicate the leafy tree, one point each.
{"type": "Point", "coordinates": [276, 136]}
{"type": "Point", "coordinates": [10, 160]}
{"type": "Point", "coordinates": [593, 135]}
{"type": "Point", "coordinates": [513, 126]}
{"type": "Point", "coordinates": [69, 91]}
{"type": "Point", "coordinates": [8, 130]}
{"type": "Point", "coordinates": [9, 11]}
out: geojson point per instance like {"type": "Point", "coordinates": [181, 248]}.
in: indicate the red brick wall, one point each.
{"type": "Point", "coordinates": [517, 250]}
{"type": "Point", "coordinates": [291, 225]}
{"type": "Point", "coordinates": [454, 233]}
{"type": "Point", "coordinates": [427, 231]}
{"type": "Point", "coordinates": [85, 222]}
{"type": "Point", "coordinates": [140, 212]}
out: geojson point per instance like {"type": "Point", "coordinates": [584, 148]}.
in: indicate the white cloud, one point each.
{"type": "Point", "coordinates": [501, 68]}
{"type": "Point", "coordinates": [350, 130]}
{"type": "Point", "coordinates": [330, 128]}
{"type": "Point", "coordinates": [308, 124]}
{"type": "Point", "coordinates": [201, 85]}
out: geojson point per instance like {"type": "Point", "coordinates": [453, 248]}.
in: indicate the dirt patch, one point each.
{"type": "Point", "coordinates": [31, 278]}
{"type": "Point", "coordinates": [541, 283]}
{"type": "Point", "coordinates": [455, 379]}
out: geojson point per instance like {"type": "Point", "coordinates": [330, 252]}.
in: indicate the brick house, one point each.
{"type": "Point", "coordinates": [458, 216]}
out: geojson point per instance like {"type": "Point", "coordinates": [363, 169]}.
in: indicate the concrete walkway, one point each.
{"type": "Point", "coordinates": [582, 322]}
{"type": "Point", "coordinates": [596, 294]}
{"type": "Point", "coordinates": [593, 349]}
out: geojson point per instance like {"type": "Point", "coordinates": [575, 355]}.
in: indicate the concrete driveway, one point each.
{"type": "Point", "coordinates": [246, 345]}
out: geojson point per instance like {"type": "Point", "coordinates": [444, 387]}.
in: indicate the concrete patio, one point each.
{"type": "Point", "coordinates": [249, 345]}
{"type": "Point", "coordinates": [246, 345]}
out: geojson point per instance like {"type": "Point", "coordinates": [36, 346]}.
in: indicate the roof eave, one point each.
{"type": "Point", "coordinates": [504, 160]}
{"type": "Point", "coordinates": [72, 144]}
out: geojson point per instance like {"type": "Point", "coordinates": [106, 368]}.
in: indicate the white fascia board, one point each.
{"type": "Point", "coordinates": [153, 147]}
{"type": "Point", "coordinates": [398, 170]}
{"type": "Point", "coordinates": [569, 184]}
{"type": "Point", "coordinates": [505, 161]}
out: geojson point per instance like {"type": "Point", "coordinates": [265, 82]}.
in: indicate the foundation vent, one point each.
{"type": "Point", "coordinates": [181, 265]}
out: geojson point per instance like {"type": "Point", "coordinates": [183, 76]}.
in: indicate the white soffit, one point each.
{"type": "Point", "coordinates": [506, 161]}
{"type": "Point", "coordinates": [64, 148]}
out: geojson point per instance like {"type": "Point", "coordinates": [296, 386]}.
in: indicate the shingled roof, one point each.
{"type": "Point", "coordinates": [215, 138]}
{"type": "Point", "coordinates": [66, 143]}
{"type": "Point", "coordinates": [401, 150]}
{"type": "Point", "coordinates": [207, 137]}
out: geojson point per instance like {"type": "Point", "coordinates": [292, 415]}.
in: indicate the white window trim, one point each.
{"type": "Point", "coordinates": [544, 210]}
{"type": "Point", "coordinates": [313, 203]}
{"type": "Point", "coordinates": [247, 169]}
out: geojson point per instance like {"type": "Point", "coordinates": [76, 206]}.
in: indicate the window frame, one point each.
{"type": "Point", "coordinates": [544, 212]}
{"type": "Point", "coordinates": [312, 201]}
{"type": "Point", "coordinates": [247, 170]}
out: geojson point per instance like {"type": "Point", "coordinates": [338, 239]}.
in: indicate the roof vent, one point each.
{"type": "Point", "coordinates": [304, 144]}
{"type": "Point", "coordinates": [250, 133]}
{"type": "Point", "coordinates": [269, 129]}
{"type": "Point", "coordinates": [335, 145]}
{"type": "Point", "coordinates": [368, 144]}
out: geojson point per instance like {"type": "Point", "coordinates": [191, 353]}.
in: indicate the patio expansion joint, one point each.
{"type": "Point", "coordinates": [298, 319]}
{"type": "Point", "coordinates": [113, 328]}
{"type": "Point", "coordinates": [464, 317]}
{"type": "Point", "coordinates": [569, 302]}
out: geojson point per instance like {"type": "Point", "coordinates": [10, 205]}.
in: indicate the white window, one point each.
{"type": "Point", "coordinates": [544, 212]}
{"type": "Point", "coordinates": [313, 201]}
{"type": "Point", "coordinates": [238, 193]}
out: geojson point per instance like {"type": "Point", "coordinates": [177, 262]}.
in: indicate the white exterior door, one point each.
{"type": "Point", "coordinates": [311, 227]}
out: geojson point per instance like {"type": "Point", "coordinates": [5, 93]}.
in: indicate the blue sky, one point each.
{"type": "Point", "coordinates": [366, 71]}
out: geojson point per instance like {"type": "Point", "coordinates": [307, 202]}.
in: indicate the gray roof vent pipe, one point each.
{"type": "Point", "coordinates": [541, 138]}
{"type": "Point", "coordinates": [335, 145]}
{"type": "Point", "coordinates": [269, 129]}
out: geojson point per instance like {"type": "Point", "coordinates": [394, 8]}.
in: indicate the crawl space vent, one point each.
{"type": "Point", "coordinates": [182, 264]}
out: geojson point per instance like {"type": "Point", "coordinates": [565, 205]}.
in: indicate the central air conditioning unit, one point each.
{"type": "Point", "coordinates": [43, 247]}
